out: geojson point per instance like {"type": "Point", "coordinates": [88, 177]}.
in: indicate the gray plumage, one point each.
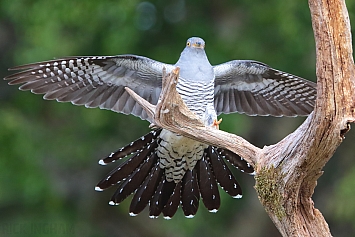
{"type": "Point", "coordinates": [100, 82]}
{"type": "Point", "coordinates": [166, 168]}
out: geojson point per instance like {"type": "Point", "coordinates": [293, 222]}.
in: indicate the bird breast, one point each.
{"type": "Point", "coordinates": [197, 95]}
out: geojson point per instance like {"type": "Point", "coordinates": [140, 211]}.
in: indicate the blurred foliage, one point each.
{"type": "Point", "coordinates": [49, 151]}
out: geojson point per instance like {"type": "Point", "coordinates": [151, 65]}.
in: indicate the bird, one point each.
{"type": "Point", "coordinates": [164, 170]}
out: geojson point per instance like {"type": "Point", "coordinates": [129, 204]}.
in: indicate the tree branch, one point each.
{"type": "Point", "coordinates": [172, 114]}
{"type": "Point", "coordinates": [287, 172]}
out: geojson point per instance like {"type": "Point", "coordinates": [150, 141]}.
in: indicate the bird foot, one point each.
{"type": "Point", "coordinates": [153, 126]}
{"type": "Point", "coordinates": [216, 123]}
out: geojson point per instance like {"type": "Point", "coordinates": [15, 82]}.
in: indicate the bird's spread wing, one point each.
{"type": "Point", "coordinates": [95, 81]}
{"type": "Point", "coordinates": [254, 88]}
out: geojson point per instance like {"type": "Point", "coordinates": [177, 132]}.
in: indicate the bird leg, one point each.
{"type": "Point", "coordinates": [216, 123]}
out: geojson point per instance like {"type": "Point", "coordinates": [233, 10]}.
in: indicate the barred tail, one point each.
{"type": "Point", "coordinates": [142, 149]}
{"type": "Point", "coordinates": [142, 175]}
{"type": "Point", "coordinates": [237, 161]}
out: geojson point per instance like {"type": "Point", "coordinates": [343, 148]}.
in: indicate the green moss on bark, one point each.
{"type": "Point", "coordinates": [268, 186]}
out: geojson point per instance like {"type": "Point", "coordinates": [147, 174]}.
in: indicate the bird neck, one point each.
{"type": "Point", "coordinates": [197, 57]}
{"type": "Point", "coordinates": [195, 63]}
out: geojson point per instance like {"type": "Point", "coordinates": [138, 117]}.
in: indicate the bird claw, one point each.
{"type": "Point", "coordinates": [153, 126]}
{"type": "Point", "coordinates": [216, 123]}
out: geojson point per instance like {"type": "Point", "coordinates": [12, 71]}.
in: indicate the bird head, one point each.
{"type": "Point", "coordinates": [195, 42]}
{"type": "Point", "coordinates": [194, 57]}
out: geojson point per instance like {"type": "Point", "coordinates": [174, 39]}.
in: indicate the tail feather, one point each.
{"type": "Point", "coordinates": [173, 203]}
{"type": "Point", "coordinates": [223, 175]}
{"type": "Point", "coordinates": [145, 192]}
{"type": "Point", "coordinates": [132, 147]}
{"type": "Point", "coordinates": [161, 197]}
{"type": "Point", "coordinates": [134, 180]}
{"type": "Point", "coordinates": [126, 168]}
{"type": "Point", "coordinates": [236, 160]}
{"type": "Point", "coordinates": [142, 174]}
{"type": "Point", "coordinates": [155, 206]}
{"type": "Point", "coordinates": [190, 194]}
{"type": "Point", "coordinates": [208, 185]}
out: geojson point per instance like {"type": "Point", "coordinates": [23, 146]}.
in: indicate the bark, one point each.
{"type": "Point", "coordinates": [287, 172]}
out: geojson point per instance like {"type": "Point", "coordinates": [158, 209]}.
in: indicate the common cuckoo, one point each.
{"type": "Point", "coordinates": [163, 169]}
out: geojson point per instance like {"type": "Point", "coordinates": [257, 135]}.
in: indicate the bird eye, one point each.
{"type": "Point", "coordinates": [188, 44]}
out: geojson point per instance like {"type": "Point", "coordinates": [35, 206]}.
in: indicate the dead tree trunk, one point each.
{"type": "Point", "coordinates": [287, 172]}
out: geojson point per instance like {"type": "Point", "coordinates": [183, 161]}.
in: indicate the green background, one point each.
{"type": "Point", "coordinates": [49, 150]}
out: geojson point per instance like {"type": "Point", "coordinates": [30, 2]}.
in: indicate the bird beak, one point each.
{"type": "Point", "coordinates": [198, 45]}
